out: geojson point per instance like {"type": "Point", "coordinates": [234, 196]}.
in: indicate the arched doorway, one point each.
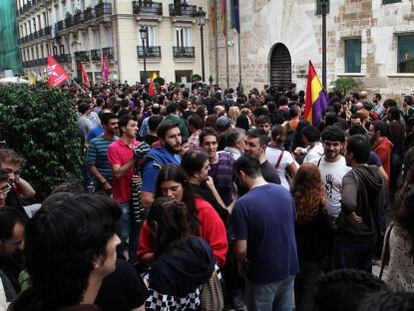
{"type": "Point", "coordinates": [280, 66]}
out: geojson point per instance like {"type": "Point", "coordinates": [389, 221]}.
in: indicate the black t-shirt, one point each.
{"type": "Point", "coordinates": [150, 139]}
{"type": "Point", "coordinates": [122, 290]}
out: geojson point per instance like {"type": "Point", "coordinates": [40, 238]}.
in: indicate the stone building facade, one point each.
{"type": "Point", "coordinates": [369, 40]}
{"type": "Point", "coordinates": [88, 30]}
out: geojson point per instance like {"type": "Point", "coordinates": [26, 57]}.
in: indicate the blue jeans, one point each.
{"type": "Point", "coordinates": [351, 253]}
{"type": "Point", "coordinates": [128, 232]}
{"type": "Point", "coordinates": [276, 296]}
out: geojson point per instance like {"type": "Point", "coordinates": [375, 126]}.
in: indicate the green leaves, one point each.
{"type": "Point", "coordinates": [40, 125]}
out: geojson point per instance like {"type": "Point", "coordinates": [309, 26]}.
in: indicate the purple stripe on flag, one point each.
{"type": "Point", "coordinates": [319, 106]}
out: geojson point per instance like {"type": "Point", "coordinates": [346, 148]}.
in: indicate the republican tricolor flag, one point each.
{"type": "Point", "coordinates": [316, 100]}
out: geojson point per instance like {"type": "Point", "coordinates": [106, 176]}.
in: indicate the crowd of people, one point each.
{"type": "Point", "coordinates": [210, 199]}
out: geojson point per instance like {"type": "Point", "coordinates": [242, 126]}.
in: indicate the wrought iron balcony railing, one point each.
{"type": "Point", "coordinates": [150, 51]}
{"type": "Point", "coordinates": [146, 7]}
{"type": "Point", "coordinates": [183, 52]}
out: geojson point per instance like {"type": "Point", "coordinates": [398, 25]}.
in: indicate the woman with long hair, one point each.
{"type": "Point", "coordinates": [399, 241]}
{"type": "Point", "coordinates": [183, 262]}
{"type": "Point", "coordinates": [279, 158]}
{"type": "Point", "coordinates": [234, 113]}
{"type": "Point", "coordinates": [312, 231]}
{"type": "Point", "coordinates": [173, 182]}
{"type": "Point", "coordinates": [196, 164]}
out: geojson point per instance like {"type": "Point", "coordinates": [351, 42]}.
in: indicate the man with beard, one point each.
{"type": "Point", "coordinates": [333, 168]}
{"type": "Point", "coordinates": [97, 154]}
{"type": "Point", "coordinates": [122, 160]}
{"type": "Point", "coordinates": [12, 224]}
{"type": "Point", "coordinates": [363, 200]}
{"type": "Point", "coordinates": [169, 136]}
{"type": "Point", "coordinates": [256, 143]}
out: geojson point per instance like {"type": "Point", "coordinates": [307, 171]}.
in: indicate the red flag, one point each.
{"type": "Point", "coordinates": [151, 88]}
{"type": "Point", "coordinates": [85, 79]}
{"type": "Point", "coordinates": [105, 69]}
{"type": "Point", "coordinates": [57, 75]}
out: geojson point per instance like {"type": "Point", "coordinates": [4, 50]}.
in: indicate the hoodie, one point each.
{"type": "Point", "coordinates": [177, 275]}
{"type": "Point", "coordinates": [363, 192]}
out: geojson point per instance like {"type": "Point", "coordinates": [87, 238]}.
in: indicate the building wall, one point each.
{"type": "Point", "coordinates": [295, 24]}
{"type": "Point", "coordinates": [125, 39]}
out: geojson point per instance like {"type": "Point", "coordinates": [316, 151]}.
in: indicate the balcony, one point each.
{"type": "Point", "coordinates": [60, 25]}
{"type": "Point", "coordinates": [63, 58]}
{"type": "Point", "coordinates": [103, 9]}
{"type": "Point", "coordinates": [150, 51]}
{"type": "Point", "coordinates": [47, 31]}
{"type": "Point", "coordinates": [88, 14]}
{"type": "Point", "coordinates": [183, 52]}
{"type": "Point", "coordinates": [96, 55]}
{"type": "Point", "coordinates": [36, 35]}
{"type": "Point", "coordinates": [69, 22]}
{"type": "Point", "coordinates": [82, 56]}
{"type": "Point", "coordinates": [145, 7]}
{"type": "Point", "coordinates": [78, 18]}
{"type": "Point", "coordinates": [31, 37]}
{"type": "Point", "coordinates": [183, 10]}
{"type": "Point", "coordinates": [108, 52]}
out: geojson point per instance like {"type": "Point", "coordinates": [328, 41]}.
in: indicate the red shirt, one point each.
{"type": "Point", "coordinates": [120, 154]}
{"type": "Point", "coordinates": [383, 148]}
{"type": "Point", "coordinates": [211, 229]}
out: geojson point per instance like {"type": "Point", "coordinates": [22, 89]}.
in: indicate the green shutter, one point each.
{"type": "Point", "coordinates": [353, 55]}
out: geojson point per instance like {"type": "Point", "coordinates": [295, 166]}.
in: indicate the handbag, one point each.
{"type": "Point", "coordinates": [212, 294]}
{"type": "Point", "coordinates": [385, 256]}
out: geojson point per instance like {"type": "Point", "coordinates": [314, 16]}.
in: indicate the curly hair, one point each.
{"type": "Point", "coordinates": [308, 192]}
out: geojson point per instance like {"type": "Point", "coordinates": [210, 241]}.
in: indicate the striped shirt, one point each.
{"type": "Point", "coordinates": [96, 156]}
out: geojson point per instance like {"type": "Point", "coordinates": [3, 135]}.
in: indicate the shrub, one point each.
{"type": "Point", "coordinates": [344, 84]}
{"type": "Point", "coordinates": [159, 81]}
{"type": "Point", "coordinates": [40, 125]}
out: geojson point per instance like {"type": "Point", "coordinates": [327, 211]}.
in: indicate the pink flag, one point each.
{"type": "Point", "coordinates": [57, 75]}
{"type": "Point", "coordinates": [85, 79]}
{"type": "Point", "coordinates": [105, 69]}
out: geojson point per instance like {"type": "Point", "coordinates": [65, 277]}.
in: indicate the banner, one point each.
{"type": "Point", "coordinates": [85, 79]}
{"type": "Point", "coordinates": [105, 69]}
{"type": "Point", "coordinates": [223, 15]}
{"type": "Point", "coordinates": [57, 75]}
{"type": "Point", "coordinates": [236, 16]}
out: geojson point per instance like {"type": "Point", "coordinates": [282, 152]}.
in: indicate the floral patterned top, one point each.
{"type": "Point", "coordinates": [400, 275]}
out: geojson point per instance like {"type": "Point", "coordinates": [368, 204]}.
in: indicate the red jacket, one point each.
{"type": "Point", "coordinates": [211, 229]}
{"type": "Point", "coordinates": [383, 148]}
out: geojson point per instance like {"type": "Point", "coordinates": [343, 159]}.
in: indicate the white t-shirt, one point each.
{"type": "Point", "coordinates": [315, 152]}
{"type": "Point", "coordinates": [332, 174]}
{"type": "Point", "coordinates": [272, 155]}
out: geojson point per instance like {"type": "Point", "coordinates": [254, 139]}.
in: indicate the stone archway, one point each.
{"type": "Point", "coordinates": [280, 66]}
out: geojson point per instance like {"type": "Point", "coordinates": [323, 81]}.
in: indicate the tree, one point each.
{"type": "Point", "coordinates": [344, 84]}
{"type": "Point", "coordinates": [40, 125]}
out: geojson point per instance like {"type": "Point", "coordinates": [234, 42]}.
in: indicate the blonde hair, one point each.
{"type": "Point", "coordinates": [234, 113]}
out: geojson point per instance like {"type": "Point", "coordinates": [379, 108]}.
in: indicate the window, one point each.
{"type": "Point", "coordinates": [44, 19]}
{"type": "Point", "coordinates": [56, 14]}
{"type": "Point", "coordinates": [183, 76]}
{"type": "Point", "coordinates": [34, 24]}
{"type": "Point", "coordinates": [150, 75]}
{"type": "Point", "coordinates": [42, 51]}
{"type": "Point", "coordinates": [390, 1]}
{"type": "Point", "coordinates": [72, 6]}
{"type": "Point", "coordinates": [406, 54]}
{"type": "Point", "coordinates": [151, 38]}
{"type": "Point", "coordinates": [39, 25]}
{"type": "Point", "coordinates": [82, 5]}
{"type": "Point", "coordinates": [37, 52]}
{"type": "Point", "coordinates": [353, 55]}
{"type": "Point", "coordinates": [108, 37]}
{"type": "Point", "coordinates": [182, 37]}
{"type": "Point", "coordinates": [85, 39]}
{"type": "Point", "coordinates": [96, 39]}
{"type": "Point", "coordinates": [62, 49]}
{"type": "Point", "coordinates": [319, 7]}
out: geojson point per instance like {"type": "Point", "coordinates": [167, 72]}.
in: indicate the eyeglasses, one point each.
{"type": "Point", "coordinates": [5, 189]}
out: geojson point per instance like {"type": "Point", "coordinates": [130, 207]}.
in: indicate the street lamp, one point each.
{"type": "Point", "coordinates": [143, 31]}
{"type": "Point", "coordinates": [201, 21]}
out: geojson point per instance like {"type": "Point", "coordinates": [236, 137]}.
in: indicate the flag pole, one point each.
{"type": "Point", "coordinates": [73, 81]}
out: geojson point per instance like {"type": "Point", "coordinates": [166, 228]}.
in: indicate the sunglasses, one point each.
{"type": "Point", "coordinates": [5, 189]}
